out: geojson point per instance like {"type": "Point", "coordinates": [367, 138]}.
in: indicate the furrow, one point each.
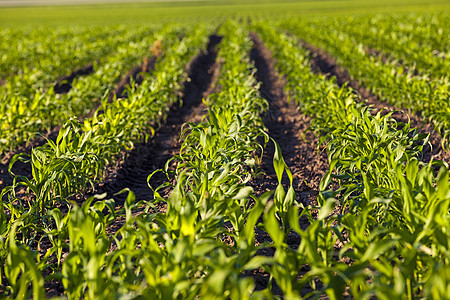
{"type": "Point", "coordinates": [322, 62]}
{"type": "Point", "coordinates": [64, 84]}
{"type": "Point", "coordinates": [133, 171]}
{"type": "Point", "coordinates": [289, 127]}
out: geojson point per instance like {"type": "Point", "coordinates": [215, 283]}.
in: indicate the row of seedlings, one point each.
{"type": "Point", "coordinates": [384, 34]}
{"type": "Point", "coordinates": [390, 235]}
{"type": "Point", "coordinates": [23, 116]}
{"type": "Point", "coordinates": [44, 234]}
{"type": "Point", "coordinates": [387, 80]}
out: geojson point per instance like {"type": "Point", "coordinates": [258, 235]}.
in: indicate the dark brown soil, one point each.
{"type": "Point", "coordinates": [64, 84]}
{"type": "Point", "coordinates": [21, 168]}
{"type": "Point", "coordinates": [322, 62]}
{"type": "Point", "coordinates": [135, 74]}
{"type": "Point", "coordinates": [289, 128]}
{"type": "Point", "coordinates": [153, 155]}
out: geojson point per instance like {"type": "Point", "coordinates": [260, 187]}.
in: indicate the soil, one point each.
{"type": "Point", "coordinates": [322, 62]}
{"type": "Point", "coordinates": [22, 168]}
{"type": "Point", "coordinates": [289, 128]}
{"type": "Point", "coordinates": [132, 172]}
{"type": "Point", "coordinates": [64, 84]}
{"type": "Point", "coordinates": [135, 73]}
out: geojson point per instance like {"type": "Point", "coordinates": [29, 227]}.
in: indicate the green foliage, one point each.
{"type": "Point", "coordinates": [425, 93]}
{"type": "Point", "coordinates": [382, 238]}
{"type": "Point", "coordinates": [30, 105]}
{"type": "Point", "coordinates": [381, 228]}
{"type": "Point", "coordinates": [72, 164]}
{"type": "Point", "coordinates": [416, 41]}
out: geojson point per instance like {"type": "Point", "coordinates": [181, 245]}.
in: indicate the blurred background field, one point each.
{"type": "Point", "coordinates": [60, 12]}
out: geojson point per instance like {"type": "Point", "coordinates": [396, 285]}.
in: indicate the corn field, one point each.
{"type": "Point", "coordinates": [299, 158]}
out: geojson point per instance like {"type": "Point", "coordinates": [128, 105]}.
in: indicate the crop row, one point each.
{"type": "Point", "coordinates": [74, 162]}
{"type": "Point", "coordinates": [387, 80]}
{"type": "Point", "coordinates": [412, 47]}
{"type": "Point", "coordinates": [392, 224]}
{"type": "Point", "coordinates": [23, 116]}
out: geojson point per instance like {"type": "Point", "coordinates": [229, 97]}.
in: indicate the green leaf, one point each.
{"type": "Point", "coordinates": [326, 210]}
{"type": "Point", "coordinates": [244, 193]}
{"type": "Point", "coordinates": [259, 261]}
{"type": "Point", "coordinates": [272, 226]}
{"type": "Point", "coordinates": [377, 248]}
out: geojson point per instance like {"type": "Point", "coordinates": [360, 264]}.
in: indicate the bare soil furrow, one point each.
{"type": "Point", "coordinates": [148, 64]}
{"type": "Point", "coordinates": [64, 84]}
{"type": "Point", "coordinates": [132, 172]}
{"type": "Point", "coordinates": [322, 62]}
{"type": "Point", "coordinates": [289, 128]}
